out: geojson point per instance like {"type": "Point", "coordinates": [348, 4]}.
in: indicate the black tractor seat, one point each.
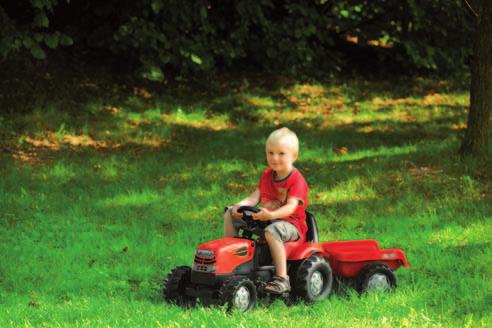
{"type": "Point", "coordinates": [312, 228]}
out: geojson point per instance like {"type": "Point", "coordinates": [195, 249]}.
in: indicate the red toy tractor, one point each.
{"type": "Point", "coordinates": [233, 271]}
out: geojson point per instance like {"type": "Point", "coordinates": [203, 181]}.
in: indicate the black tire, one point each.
{"type": "Point", "coordinates": [312, 279]}
{"type": "Point", "coordinates": [238, 292]}
{"type": "Point", "coordinates": [376, 277]}
{"type": "Point", "coordinates": [174, 286]}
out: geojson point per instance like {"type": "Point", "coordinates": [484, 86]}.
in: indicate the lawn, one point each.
{"type": "Point", "coordinates": [107, 185]}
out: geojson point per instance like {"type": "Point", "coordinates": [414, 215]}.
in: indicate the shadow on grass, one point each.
{"type": "Point", "coordinates": [86, 105]}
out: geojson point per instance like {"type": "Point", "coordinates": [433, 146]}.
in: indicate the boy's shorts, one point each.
{"type": "Point", "coordinates": [280, 229]}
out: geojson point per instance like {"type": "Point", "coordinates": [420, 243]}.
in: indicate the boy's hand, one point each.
{"type": "Point", "coordinates": [263, 215]}
{"type": "Point", "coordinates": [235, 213]}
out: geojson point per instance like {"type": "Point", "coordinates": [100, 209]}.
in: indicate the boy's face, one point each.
{"type": "Point", "coordinates": [280, 156]}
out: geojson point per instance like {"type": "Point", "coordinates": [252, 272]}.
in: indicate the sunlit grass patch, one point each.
{"type": "Point", "coordinates": [261, 102]}
{"type": "Point", "coordinates": [352, 189]}
{"type": "Point", "coordinates": [132, 199]}
{"type": "Point", "coordinates": [314, 105]}
{"type": "Point", "coordinates": [305, 102]}
{"type": "Point", "coordinates": [62, 171]}
{"type": "Point", "coordinates": [382, 151]}
{"type": "Point", "coordinates": [309, 90]}
{"type": "Point", "coordinates": [198, 119]}
{"type": "Point", "coordinates": [457, 235]}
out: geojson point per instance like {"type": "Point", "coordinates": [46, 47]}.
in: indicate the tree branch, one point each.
{"type": "Point", "coordinates": [471, 8]}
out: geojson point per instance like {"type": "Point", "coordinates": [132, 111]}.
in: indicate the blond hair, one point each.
{"type": "Point", "coordinates": [285, 135]}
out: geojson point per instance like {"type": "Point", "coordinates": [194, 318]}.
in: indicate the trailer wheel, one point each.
{"type": "Point", "coordinates": [313, 279]}
{"type": "Point", "coordinates": [239, 293]}
{"type": "Point", "coordinates": [376, 278]}
{"type": "Point", "coordinates": [174, 286]}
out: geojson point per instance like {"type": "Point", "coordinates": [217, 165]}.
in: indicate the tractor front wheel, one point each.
{"type": "Point", "coordinates": [174, 287]}
{"type": "Point", "coordinates": [239, 293]}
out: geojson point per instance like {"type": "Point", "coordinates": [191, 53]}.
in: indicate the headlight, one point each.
{"type": "Point", "coordinates": [205, 253]}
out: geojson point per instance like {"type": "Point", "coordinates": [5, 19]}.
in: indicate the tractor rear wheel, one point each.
{"type": "Point", "coordinates": [239, 293]}
{"type": "Point", "coordinates": [174, 287]}
{"type": "Point", "coordinates": [376, 277]}
{"type": "Point", "coordinates": [313, 279]}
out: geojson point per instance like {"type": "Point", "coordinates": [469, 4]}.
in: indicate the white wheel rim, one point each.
{"type": "Point", "coordinates": [316, 284]}
{"type": "Point", "coordinates": [242, 298]}
{"type": "Point", "coordinates": [378, 282]}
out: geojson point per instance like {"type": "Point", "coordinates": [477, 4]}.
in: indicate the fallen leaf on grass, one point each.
{"type": "Point", "coordinates": [424, 170]}
{"type": "Point", "coordinates": [458, 126]}
{"type": "Point", "coordinates": [433, 99]}
{"type": "Point", "coordinates": [42, 143]}
{"type": "Point", "coordinates": [142, 92]}
{"type": "Point", "coordinates": [341, 150]}
{"type": "Point", "coordinates": [79, 140]}
{"type": "Point", "coordinates": [40, 155]}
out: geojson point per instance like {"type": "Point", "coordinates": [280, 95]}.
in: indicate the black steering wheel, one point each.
{"type": "Point", "coordinates": [248, 211]}
{"type": "Point", "coordinates": [252, 226]}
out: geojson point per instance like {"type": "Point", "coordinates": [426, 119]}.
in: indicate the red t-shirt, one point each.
{"type": "Point", "coordinates": [274, 194]}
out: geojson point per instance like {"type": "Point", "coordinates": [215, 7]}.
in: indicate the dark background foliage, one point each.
{"type": "Point", "coordinates": [161, 38]}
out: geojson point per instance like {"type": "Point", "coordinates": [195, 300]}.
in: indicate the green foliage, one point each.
{"type": "Point", "coordinates": [197, 36]}
{"type": "Point", "coordinates": [37, 52]}
{"type": "Point", "coordinates": [52, 41]}
{"type": "Point", "coordinates": [32, 35]}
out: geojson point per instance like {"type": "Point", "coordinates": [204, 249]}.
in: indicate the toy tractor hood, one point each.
{"type": "Point", "coordinates": [223, 254]}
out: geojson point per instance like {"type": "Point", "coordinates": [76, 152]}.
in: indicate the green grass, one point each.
{"type": "Point", "coordinates": [105, 187]}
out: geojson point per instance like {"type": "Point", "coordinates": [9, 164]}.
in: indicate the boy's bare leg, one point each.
{"type": "Point", "coordinates": [229, 230]}
{"type": "Point", "coordinates": [279, 257]}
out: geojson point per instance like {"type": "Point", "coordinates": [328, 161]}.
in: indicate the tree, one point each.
{"type": "Point", "coordinates": [475, 141]}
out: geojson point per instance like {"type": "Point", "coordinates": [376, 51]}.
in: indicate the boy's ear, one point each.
{"type": "Point", "coordinates": [294, 155]}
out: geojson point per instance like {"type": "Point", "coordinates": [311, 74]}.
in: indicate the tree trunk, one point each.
{"type": "Point", "coordinates": [475, 142]}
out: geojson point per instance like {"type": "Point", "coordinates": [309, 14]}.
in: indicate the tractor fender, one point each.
{"type": "Point", "coordinates": [305, 250]}
{"type": "Point", "coordinates": [396, 254]}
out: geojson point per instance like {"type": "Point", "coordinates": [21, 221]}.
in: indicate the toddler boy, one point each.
{"type": "Point", "coordinates": [282, 197]}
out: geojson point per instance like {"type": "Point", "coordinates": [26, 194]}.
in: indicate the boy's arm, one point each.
{"type": "Point", "coordinates": [251, 200]}
{"type": "Point", "coordinates": [281, 212]}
